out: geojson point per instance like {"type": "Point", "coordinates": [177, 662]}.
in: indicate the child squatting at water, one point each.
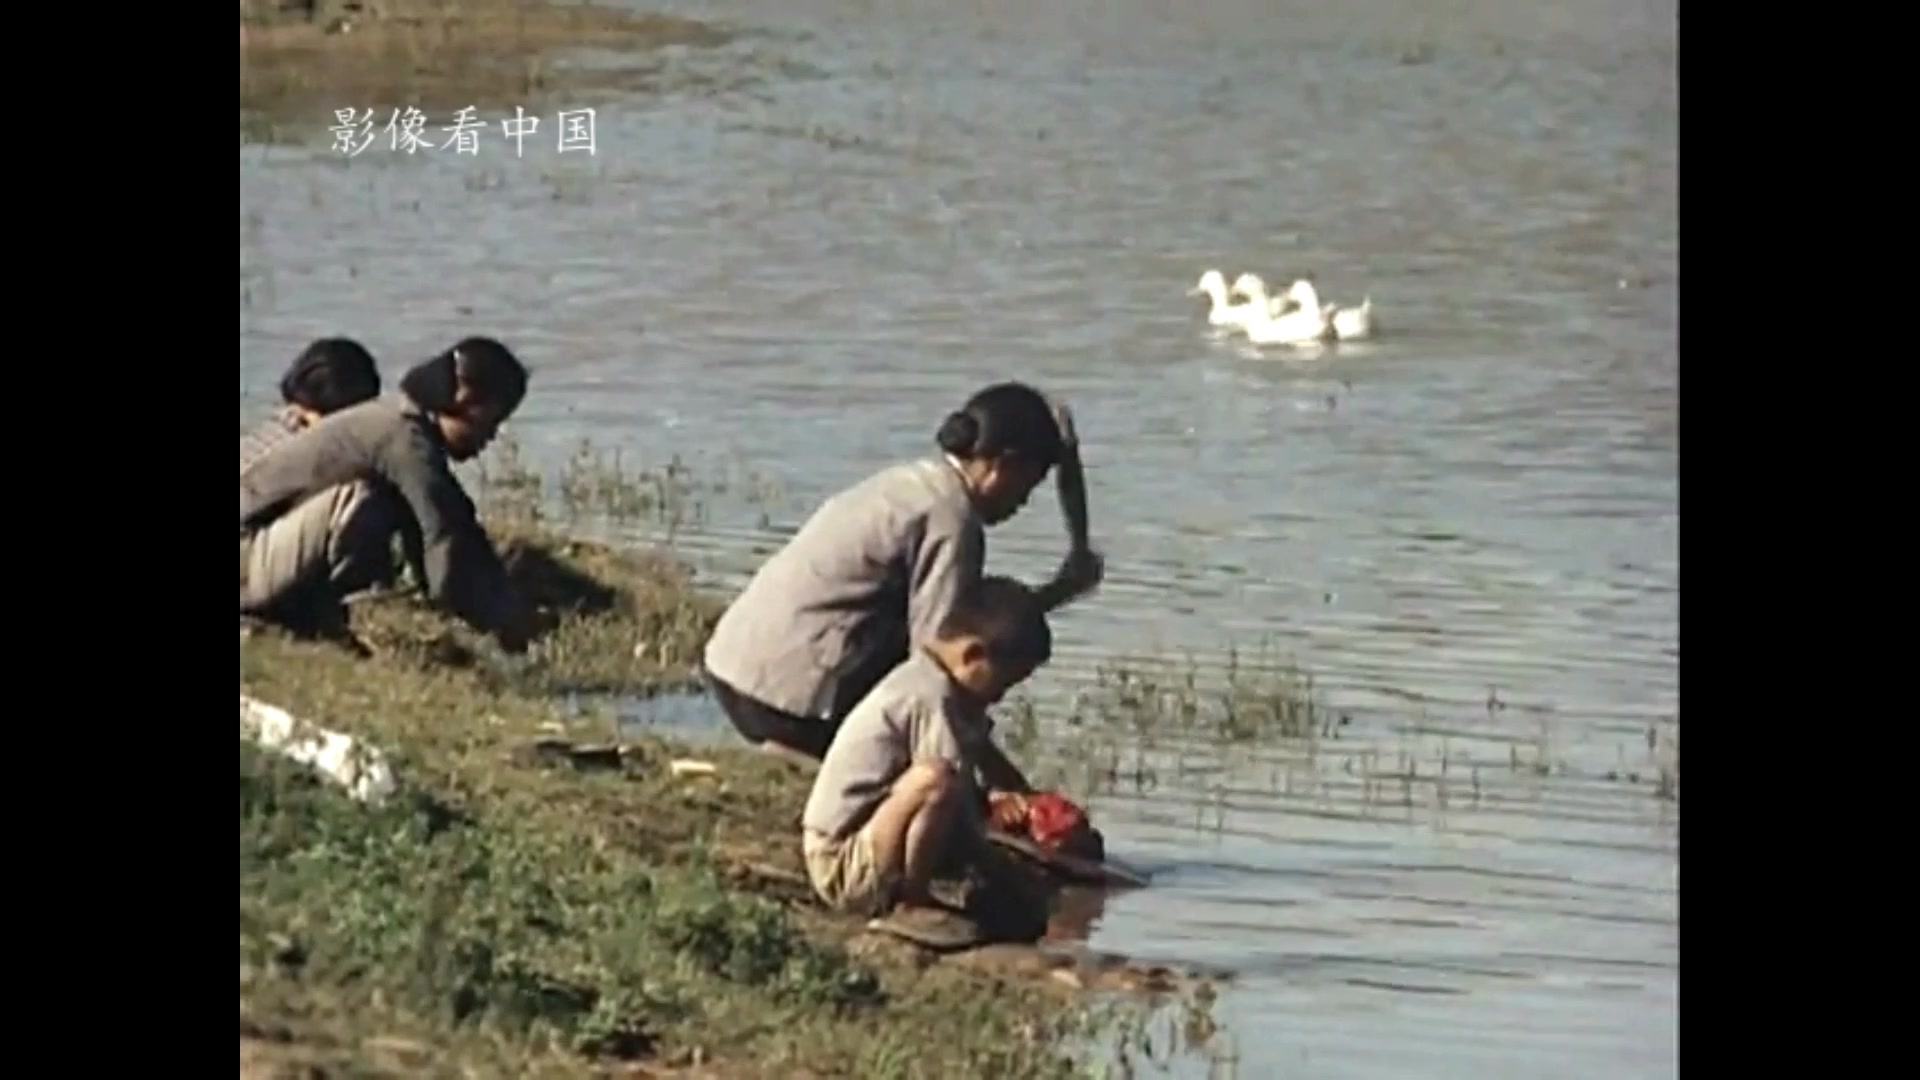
{"type": "Point", "coordinates": [896, 794]}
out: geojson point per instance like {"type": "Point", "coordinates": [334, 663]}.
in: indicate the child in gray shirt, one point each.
{"type": "Point", "coordinates": [897, 788]}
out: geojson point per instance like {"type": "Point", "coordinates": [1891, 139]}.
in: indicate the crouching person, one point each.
{"type": "Point", "coordinates": [330, 374]}
{"type": "Point", "coordinates": [897, 793]}
{"type": "Point", "coordinates": [319, 510]}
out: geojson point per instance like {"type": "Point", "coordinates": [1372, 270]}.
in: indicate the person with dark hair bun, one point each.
{"type": "Point", "coordinates": [319, 510]}
{"type": "Point", "coordinates": [876, 569]}
{"type": "Point", "coordinates": [328, 375]}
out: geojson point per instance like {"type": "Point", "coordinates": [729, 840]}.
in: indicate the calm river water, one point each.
{"type": "Point", "coordinates": [1467, 529]}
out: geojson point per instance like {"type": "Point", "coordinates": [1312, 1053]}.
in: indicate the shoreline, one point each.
{"type": "Point", "coordinates": [536, 912]}
{"type": "Point", "coordinates": [299, 68]}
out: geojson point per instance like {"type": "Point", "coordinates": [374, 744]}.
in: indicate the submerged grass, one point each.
{"type": "Point", "coordinates": [1266, 700]}
{"type": "Point", "coordinates": [1137, 703]}
{"type": "Point", "coordinates": [1257, 727]}
{"type": "Point", "coordinates": [599, 486]}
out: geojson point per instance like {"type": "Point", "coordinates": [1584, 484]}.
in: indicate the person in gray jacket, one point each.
{"type": "Point", "coordinates": [329, 375]}
{"type": "Point", "coordinates": [875, 570]}
{"type": "Point", "coordinates": [318, 511]}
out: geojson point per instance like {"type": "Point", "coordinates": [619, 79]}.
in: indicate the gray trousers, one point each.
{"type": "Point", "coordinates": [300, 567]}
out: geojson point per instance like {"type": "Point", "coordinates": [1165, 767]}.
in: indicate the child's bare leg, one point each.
{"type": "Point", "coordinates": [910, 827]}
{"type": "Point", "coordinates": [927, 837]}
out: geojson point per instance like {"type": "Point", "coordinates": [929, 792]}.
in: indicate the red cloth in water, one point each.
{"type": "Point", "coordinates": [1053, 819]}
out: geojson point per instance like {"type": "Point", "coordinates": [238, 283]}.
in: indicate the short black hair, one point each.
{"type": "Point", "coordinates": [1007, 618]}
{"type": "Point", "coordinates": [329, 375]}
{"type": "Point", "coordinates": [487, 368]}
{"type": "Point", "coordinates": [491, 370]}
{"type": "Point", "coordinates": [1005, 419]}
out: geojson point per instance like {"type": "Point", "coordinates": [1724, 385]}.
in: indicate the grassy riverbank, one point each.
{"type": "Point", "coordinates": [514, 914]}
{"type": "Point", "coordinates": [300, 62]}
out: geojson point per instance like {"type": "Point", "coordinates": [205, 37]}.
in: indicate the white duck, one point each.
{"type": "Point", "coordinates": [1349, 323]}
{"type": "Point", "coordinates": [1254, 287]}
{"type": "Point", "coordinates": [1213, 285]}
{"type": "Point", "coordinates": [1353, 323]}
{"type": "Point", "coordinates": [1295, 317]}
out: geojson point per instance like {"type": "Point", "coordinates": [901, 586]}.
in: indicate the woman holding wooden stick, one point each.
{"type": "Point", "coordinates": [877, 567]}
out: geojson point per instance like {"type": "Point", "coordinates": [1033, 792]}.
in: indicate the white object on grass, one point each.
{"type": "Point", "coordinates": [352, 764]}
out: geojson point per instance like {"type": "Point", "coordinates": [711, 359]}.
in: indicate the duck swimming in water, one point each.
{"type": "Point", "coordinates": [1294, 318]}
{"type": "Point", "coordinates": [1213, 285]}
{"type": "Point", "coordinates": [1349, 323]}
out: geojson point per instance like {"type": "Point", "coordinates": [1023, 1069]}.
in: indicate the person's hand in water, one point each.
{"type": "Point", "coordinates": [1082, 571]}
{"type": "Point", "coordinates": [1006, 811]}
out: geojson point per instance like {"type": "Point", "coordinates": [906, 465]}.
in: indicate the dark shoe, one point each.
{"type": "Point", "coordinates": [565, 752]}
{"type": "Point", "coordinates": [935, 928]}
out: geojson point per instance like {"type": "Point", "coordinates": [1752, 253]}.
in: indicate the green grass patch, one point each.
{"type": "Point", "coordinates": [508, 916]}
